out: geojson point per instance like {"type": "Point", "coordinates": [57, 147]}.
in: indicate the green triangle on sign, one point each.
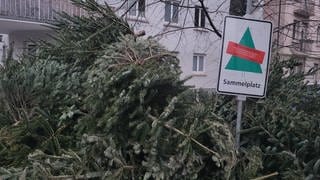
{"type": "Point", "coordinates": [246, 39]}
{"type": "Point", "coordinates": [240, 64]}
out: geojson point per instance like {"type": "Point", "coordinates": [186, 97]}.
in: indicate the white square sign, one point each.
{"type": "Point", "coordinates": [245, 55]}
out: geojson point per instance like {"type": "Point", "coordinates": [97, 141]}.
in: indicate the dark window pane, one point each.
{"type": "Point", "coordinates": [194, 64]}
{"type": "Point", "coordinates": [167, 11]}
{"type": "Point", "coordinates": [175, 12]}
{"type": "Point", "coordinates": [238, 7]}
{"type": "Point", "coordinates": [142, 7]}
{"type": "Point", "coordinates": [196, 17]}
{"type": "Point", "coordinates": [201, 63]}
{"type": "Point", "coordinates": [203, 18]}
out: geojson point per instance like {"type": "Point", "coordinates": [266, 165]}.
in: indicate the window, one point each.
{"type": "Point", "coordinates": [295, 29]}
{"type": "Point", "coordinates": [171, 11]}
{"type": "Point", "coordinates": [199, 17]}
{"type": "Point", "coordinates": [137, 7]}
{"type": "Point", "coordinates": [304, 31]}
{"type": "Point", "coordinates": [300, 34]}
{"type": "Point", "coordinates": [318, 34]}
{"type": "Point", "coordinates": [303, 36]}
{"type": "Point", "coordinates": [238, 7]}
{"type": "Point", "coordinates": [300, 30]}
{"type": "Point", "coordinates": [198, 63]}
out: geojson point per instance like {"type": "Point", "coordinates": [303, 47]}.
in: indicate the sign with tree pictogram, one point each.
{"type": "Point", "coordinates": [245, 57]}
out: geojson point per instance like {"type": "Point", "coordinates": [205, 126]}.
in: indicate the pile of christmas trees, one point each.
{"type": "Point", "coordinates": [98, 102]}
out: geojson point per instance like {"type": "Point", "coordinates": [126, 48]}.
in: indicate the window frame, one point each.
{"type": "Point", "coordinates": [172, 5]}
{"type": "Point", "coordinates": [196, 63]}
{"type": "Point", "coordinates": [318, 35]}
{"type": "Point", "coordinates": [199, 17]}
{"type": "Point", "coordinates": [134, 8]}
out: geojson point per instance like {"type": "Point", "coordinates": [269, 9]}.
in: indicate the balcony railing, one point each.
{"type": "Point", "coordinates": [37, 10]}
{"type": "Point", "coordinates": [303, 45]}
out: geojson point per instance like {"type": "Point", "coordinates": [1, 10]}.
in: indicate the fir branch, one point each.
{"type": "Point", "coordinates": [266, 176]}
{"type": "Point", "coordinates": [185, 135]}
{"type": "Point", "coordinates": [89, 175]}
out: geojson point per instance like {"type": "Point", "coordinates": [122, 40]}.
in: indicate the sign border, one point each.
{"type": "Point", "coordinates": [268, 63]}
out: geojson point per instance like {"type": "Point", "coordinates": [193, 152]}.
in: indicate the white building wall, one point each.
{"type": "Point", "coordinates": [182, 37]}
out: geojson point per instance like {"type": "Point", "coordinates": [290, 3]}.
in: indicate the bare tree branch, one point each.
{"type": "Point", "coordinates": [215, 30]}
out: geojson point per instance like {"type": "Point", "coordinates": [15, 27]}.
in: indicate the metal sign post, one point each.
{"type": "Point", "coordinates": [240, 100]}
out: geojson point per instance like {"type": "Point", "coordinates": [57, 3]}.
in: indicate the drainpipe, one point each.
{"type": "Point", "coordinates": [278, 33]}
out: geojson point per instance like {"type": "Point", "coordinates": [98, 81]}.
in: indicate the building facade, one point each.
{"type": "Point", "coordinates": [22, 22]}
{"type": "Point", "coordinates": [297, 33]}
{"type": "Point", "coordinates": [183, 27]}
